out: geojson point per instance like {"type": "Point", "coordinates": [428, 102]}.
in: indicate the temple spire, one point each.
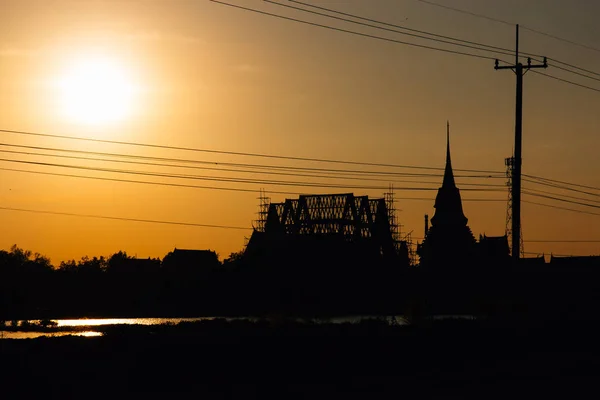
{"type": "Point", "coordinates": [448, 174]}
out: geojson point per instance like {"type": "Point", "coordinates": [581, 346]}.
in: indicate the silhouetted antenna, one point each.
{"type": "Point", "coordinates": [519, 70]}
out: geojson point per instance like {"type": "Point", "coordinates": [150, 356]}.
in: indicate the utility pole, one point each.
{"type": "Point", "coordinates": [520, 70]}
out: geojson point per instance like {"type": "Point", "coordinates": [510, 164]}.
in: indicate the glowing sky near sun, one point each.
{"type": "Point", "coordinates": [96, 90]}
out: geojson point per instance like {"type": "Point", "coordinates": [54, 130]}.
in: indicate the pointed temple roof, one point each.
{"type": "Point", "coordinates": [448, 175]}
{"type": "Point", "coordinates": [448, 204]}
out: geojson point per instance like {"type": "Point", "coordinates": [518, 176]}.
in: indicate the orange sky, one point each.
{"type": "Point", "coordinates": [208, 76]}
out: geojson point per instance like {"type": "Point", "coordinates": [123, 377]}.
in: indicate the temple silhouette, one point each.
{"type": "Point", "coordinates": [449, 240]}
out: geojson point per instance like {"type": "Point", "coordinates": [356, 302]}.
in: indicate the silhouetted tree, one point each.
{"type": "Point", "coordinates": [117, 262]}
{"type": "Point", "coordinates": [235, 256]}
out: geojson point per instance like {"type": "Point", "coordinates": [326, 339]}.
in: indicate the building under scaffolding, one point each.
{"type": "Point", "coordinates": [342, 230]}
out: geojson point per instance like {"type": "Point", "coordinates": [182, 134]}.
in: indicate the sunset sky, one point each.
{"type": "Point", "coordinates": [201, 75]}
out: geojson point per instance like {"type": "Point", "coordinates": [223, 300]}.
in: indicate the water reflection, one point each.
{"type": "Point", "coordinates": [121, 321]}
{"type": "Point", "coordinates": [34, 335]}
{"type": "Point", "coordinates": [31, 329]}
{"type": "Point", "coordinates": [27, 329]}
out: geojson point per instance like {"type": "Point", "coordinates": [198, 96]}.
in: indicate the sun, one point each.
{"type": "Point", "coordinates": [96, 91]}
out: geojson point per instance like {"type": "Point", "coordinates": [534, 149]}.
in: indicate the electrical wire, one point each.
{"type": "Point", "coordinates": [261, 167]}
{"type": "Point", "coordinates": [353, 32]}
{"type": "Point", "coordinates": [557, 186]}
{"type": "Point", "coordinates": [573, 66]}
{"type": "Point", "coordinates": [563, 200]}
{"type": "Point", "coordinates": [559, 194]}
{"type": "Point", "coordinates": [192, 149]}
{"type": "Point", "coordinates": [232, 180]}
{"type": "Point", "coordinates": [559, 207]}
{"type": "Point", "coordinates": [395, 41]}
{"type": "Point", "coordinates": [398, 26]}
{"type": "Point", "coordinates": [563, 182]}
{"type": "Point", "coordinates": [470, 46]}
{"type": "Point", "coordinates": [337, 177]}
{"type": "Point", "coordinates": [574, 72]}
{"type": "Point", "coordinates": [232, 189]}
{"type": "Point", "coordinates": [124, 219]}
{"type": "Point", "coordinates": [467, 12]}
{"type": "Point", "coordinates": [509, 23]}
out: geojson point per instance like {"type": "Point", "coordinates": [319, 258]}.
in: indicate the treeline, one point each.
{"type": "Point", "coordinates": [119, 285]}
{"type": "Point", "coordinates": [196, 283]}
{"type": "Point", "coordinates": [187, 283]}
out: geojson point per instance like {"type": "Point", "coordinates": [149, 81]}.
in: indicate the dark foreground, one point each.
{"type": "Point", "coordinates": [218, 359]}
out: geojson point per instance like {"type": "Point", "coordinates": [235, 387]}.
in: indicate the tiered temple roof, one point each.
{"type": "Point", "coordinates": [449, 240]}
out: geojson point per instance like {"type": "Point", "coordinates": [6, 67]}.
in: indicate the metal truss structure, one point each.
{"type": "Point", "coordinates": [353, 218]}
{"type": "Point", "coordinates": [510, 163]}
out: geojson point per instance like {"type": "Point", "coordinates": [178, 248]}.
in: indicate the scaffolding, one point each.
{"type": "Point", "coordinates": [263, 210]}
{"type": "Point", "coordinates": [353, 219]}
{"type": "Point", "coordinates": [412, 254]}
{"type": "Point", "coordinates": [391, 209]}
{"type": "Point", "coordinates": [400, 240]}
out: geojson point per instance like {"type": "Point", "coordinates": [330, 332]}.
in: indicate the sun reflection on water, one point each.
{"type": "Point", "coordinates": [121, 321]}
{"type": "Point", "coordinates": [34, 335]}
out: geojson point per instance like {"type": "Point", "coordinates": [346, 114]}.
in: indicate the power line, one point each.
{"type": "Point", "coordinates": [575, 72]}
{"type": "Point", "coordinates": [562, 195]}
{"type": "Point", "coordinates": [567, 81]}
{"type": "Point", "coordinates": [560, 208]}
{"type": "Point", "coordinates": [563, 200]}
{"type": "Point", "coordinates": [337, 172]}
{"type": "Point", "coordinates": [192, 149]}
{"type": "Point", "coordinates": [354, 32]}
{"type": "Point", "coordinates": [337, 177]}
{"type": "Point", "coordinates": [529, 29]}
{"type": "Point", "coordinates": [553, 185]}
{"type": "Point", "coordinates": [234, 189]}
{"type": "Point", "coordinates": [400, 26]}
{"type": "Point", "coordinates": [123, 218]}
{"type": "Point", "coordinates": [573, 66]}
{"type": "Point", "coordinates": [467, 12]}
{"type": "Point", "coordinates": [398, 41]}
{"type": "Point", "coordinates": [492, 49]}
{"type": "Point", "coordinates": [508, 23]}
{"type": "Point", "coordinates": [585, 46]}
{"type": "Point", "coordinates": [278, 167]}
{"type": "Point", "coordinates": [261, 167]}
{"type": "Point", "coordinates": [563, 182]}
{"type": "Point", "coordinates": [263, 182]}
{"type": "Point", "coordinates": [232, 180]}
